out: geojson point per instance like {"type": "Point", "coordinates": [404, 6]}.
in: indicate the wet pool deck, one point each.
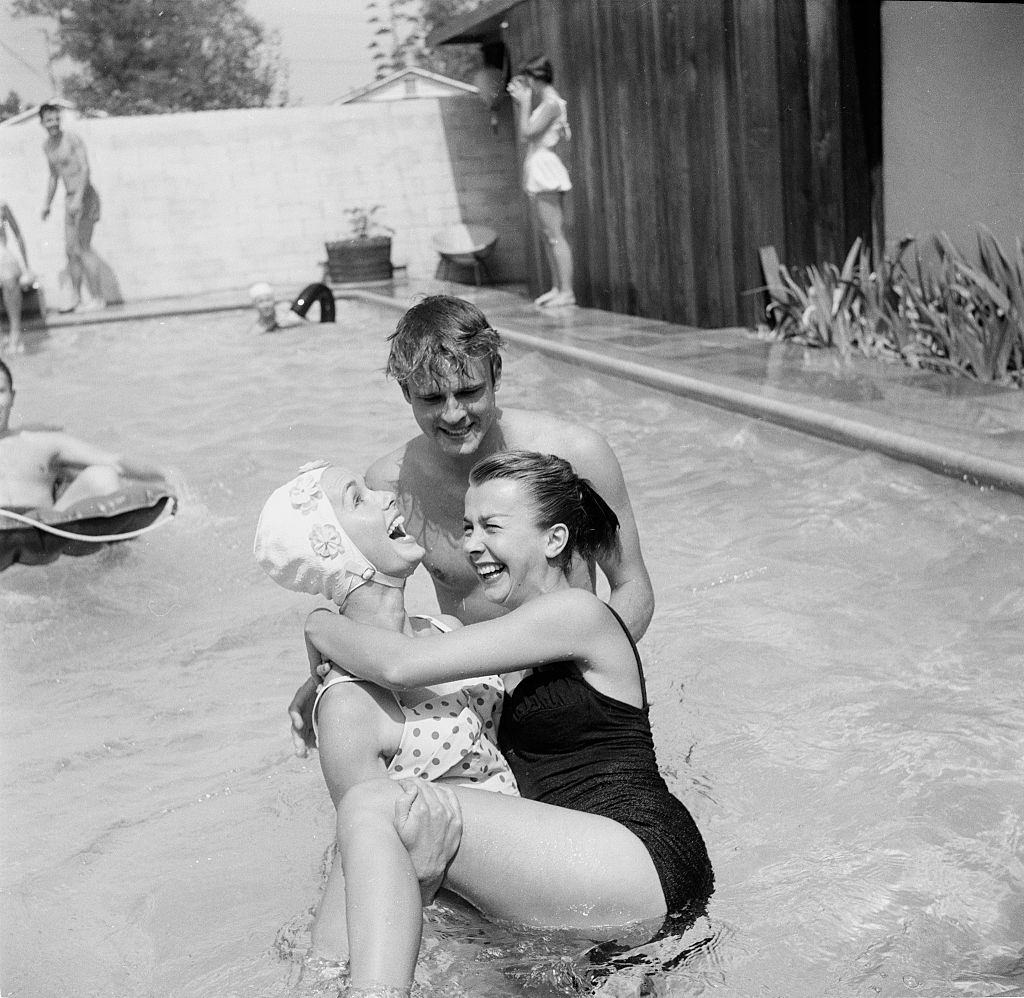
{"type": "Point", "coordinates": [949, 425]}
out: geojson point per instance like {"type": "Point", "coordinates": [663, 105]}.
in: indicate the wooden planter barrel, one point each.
{"type": "Point", "coordinates": [351, 261]}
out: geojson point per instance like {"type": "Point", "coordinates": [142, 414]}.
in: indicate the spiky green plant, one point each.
{"type": "Point", "coordinates": [949, 315]}
{"type": "Point", "coordinates": [818, 307]}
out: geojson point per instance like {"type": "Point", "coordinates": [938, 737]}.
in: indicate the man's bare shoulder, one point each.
{"type": "Point", "coordinates": [549, 433]}
{"type": "Point", "coordinates": [399, 464]}
{"type": "Point", "coordinates": [383, 473]}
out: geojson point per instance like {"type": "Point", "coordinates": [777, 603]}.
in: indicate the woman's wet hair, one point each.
{"type": "Point", "coordinates": [440, 337]}
{"type": "Point", "coordinates": [539, 67]}
{"type": "Point", "coordinates": [557, 495]}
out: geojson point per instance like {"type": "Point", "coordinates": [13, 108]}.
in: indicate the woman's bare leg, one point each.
{"type": "Point", "coordinates": [552, 223]}
{"type": "Point", "coordinates": [518, 860]}
{"type": "Point", "coordinates": [358, 725]}
{"type": "Point", "coordinates": [550, 867]}
{"type": "Point", "coordinates": [384, 907]}
{"type": "Point", "coordinates": [549, 255]}
{"type": "Point", "coordinates": [10, 290]}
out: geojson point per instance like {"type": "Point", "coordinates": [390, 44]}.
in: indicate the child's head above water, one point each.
{"type": "Point", "coordinates": [302, 545]}
{"type": "Point", "coordinates": [261, 291]}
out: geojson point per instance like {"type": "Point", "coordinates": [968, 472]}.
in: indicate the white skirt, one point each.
{"type": "Point", "coordinates": [544, 172]}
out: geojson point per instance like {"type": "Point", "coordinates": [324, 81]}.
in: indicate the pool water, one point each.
{"type": "Point", "coordinates": [834, 667]}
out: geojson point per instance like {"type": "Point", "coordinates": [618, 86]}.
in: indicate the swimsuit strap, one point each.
{"type": "Point", "coordinates": [443, 628]}
{"type": "Point", "coordinates": [636, 655]}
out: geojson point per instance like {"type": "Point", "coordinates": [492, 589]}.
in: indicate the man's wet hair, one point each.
{"type": "Point", "coordinates": [441, 337]}
{"type": "Point", "coordinates": [43, 108]}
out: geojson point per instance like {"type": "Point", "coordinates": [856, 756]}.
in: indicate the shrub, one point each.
{"type": "Point", "coordinates": [951, 315]}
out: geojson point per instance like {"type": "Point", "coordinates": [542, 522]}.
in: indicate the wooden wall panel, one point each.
{"type": "Point", "coordinates": [708, 138]}
{"type": "Point", "coordinates": [703, 130]}
{"type": "Point", "coordinates": [795, 243]}
{"type": "Point", "coordinates": [677, 275]}
{"type": "Point", "coordinates": [826, 130]}
{"type": "Point", "coordinates": [758, 217]}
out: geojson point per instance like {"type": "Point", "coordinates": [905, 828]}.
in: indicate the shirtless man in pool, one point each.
{"type": "Point", "coordinates": [444, 355]}
{"type": "Point", "coordinates": [35, 464]}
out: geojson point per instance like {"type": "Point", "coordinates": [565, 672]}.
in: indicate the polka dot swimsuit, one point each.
{"type": "Point", "coordinates": [450, 733]}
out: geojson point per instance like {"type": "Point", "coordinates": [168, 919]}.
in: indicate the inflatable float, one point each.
{"type": "Point", "coordinates": [37, 537]}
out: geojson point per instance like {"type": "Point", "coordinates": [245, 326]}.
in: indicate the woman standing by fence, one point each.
{"type": "Point", "coordinates": [545, 178]}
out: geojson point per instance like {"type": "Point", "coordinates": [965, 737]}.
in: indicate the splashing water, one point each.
{"type": "Point", "coordinates": [834, 668]}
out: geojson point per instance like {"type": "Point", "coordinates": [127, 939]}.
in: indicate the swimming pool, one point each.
{"type": "Point", "coordinates": [834, 668]}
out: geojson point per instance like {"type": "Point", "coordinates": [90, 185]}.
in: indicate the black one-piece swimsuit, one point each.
{"type": "Point", "coordinates": [571, 745]}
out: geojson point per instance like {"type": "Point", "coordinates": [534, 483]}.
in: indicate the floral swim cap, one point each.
{"type": "Point", "coordinates": [301, 545]}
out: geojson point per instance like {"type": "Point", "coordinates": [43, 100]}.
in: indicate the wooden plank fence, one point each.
{"type": "Point", "coordinates": [703, 130]}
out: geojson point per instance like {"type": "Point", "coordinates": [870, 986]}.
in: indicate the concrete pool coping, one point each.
{"type": "Point", "coordinates": [948, 425]}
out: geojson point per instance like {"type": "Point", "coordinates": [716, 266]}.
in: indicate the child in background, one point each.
{"type": "Point", "coordinates": [271, 316]}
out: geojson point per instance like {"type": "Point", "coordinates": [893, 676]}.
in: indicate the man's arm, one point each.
{"type": "Point", "coordinates": [631, 594]}
{"type": "Point", "coordinates": [74, 453]}
{"type": "Point", "coordinates": [51, 189]}
{"type": "Point", "coordinates": [80, 169]}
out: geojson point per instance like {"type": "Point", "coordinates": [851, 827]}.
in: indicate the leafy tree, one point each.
{"type": "Point", "coordinates": [402, 27]}
{"type": "Point", "coordinates": [155, 56]}
{"type": "Point", "coordinates": [10, 105]}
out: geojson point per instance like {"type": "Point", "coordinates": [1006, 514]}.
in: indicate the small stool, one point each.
{"type": "Point", "coordinates": [466, 246]}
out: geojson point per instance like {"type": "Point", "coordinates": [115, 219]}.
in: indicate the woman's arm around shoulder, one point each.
{"type": "Point", "coordinates": [566, 624]}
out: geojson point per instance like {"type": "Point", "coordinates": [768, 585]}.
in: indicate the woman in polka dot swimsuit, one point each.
{"type": "Point", "coordinates": [327, 534]}
{"type": "Point", "coordinates": [448, 731]}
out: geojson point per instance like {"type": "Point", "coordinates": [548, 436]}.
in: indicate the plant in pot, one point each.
{"type": "Point", "coordinates": [366, 254]}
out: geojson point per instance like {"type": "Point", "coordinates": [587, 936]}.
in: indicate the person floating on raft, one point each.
{"type": "Point", "coordinates": [272, 315]}
{"type": "Point", "coordinates": [50, 477]}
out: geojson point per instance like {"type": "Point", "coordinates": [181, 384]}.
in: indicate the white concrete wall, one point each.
{"type": "Point", "coordinates": [953, 98]}
{"type": "Point", "coordinates": [216, 200]}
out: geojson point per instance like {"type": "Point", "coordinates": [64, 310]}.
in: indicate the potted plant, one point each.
{"type": "Point", "coordinates": [365, 255]}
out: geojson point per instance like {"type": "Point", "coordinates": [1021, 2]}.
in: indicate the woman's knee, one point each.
{"type": "Point", "coordinates": [346, 707]}
{"type": "Point", "coordinates": [368, 805]}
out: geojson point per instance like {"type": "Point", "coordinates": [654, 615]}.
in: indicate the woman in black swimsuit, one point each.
{"type": "Point", "coordinates": [602, 844]}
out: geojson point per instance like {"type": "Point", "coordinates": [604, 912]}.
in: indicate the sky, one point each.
{"type": "Point", "coordinates": [323, 42]}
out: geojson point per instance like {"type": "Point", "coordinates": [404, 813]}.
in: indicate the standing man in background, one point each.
{"type": "Point", "coordinates": [66, 156]}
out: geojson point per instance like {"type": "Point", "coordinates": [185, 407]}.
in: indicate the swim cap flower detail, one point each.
{"type": "Point", "coordinates": [302, 546]}
{"type": "Point", "coordinates": [325, 540]}
{"type": "Point", "coordinates": [305, 492]}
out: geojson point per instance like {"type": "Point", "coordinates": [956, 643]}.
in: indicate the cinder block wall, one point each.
{"type": "Point", "coordinates": [215, 200]}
